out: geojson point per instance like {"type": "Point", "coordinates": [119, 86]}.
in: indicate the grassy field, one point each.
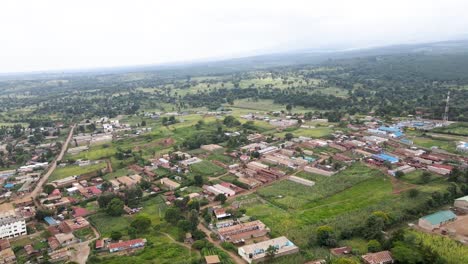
{"type": "Point", "coordinates": [95, 153]}
{"type": "Point", "coordinates": [427, 142]}
{"type": "Point", "coordinates": [455, 129]}
{"type": "Point", "coordinates": [206, 168]}
{"type": "Point", "coordinates": [342, 201]}
{"type": "Point", "coordinates": [71, 170]}
{"type": "Point", "coordinates": [317, 132]}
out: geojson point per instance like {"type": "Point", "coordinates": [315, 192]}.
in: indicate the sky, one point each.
{"type": "Point", "coordinates": [68, 34]}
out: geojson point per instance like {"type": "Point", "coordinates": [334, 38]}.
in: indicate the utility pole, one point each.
{"type": "Point", "coordinates": [446, 108]}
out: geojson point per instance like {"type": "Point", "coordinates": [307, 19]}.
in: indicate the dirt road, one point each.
{"type": "Point", "coordinates": [234, 256]}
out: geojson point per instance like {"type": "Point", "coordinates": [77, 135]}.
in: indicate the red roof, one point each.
{"type": "Point", "coordinates": [99, 243]}
{"type": "Point", "coordinates": [126, 244]}
{"type": "Point", "coordinates": [341, 251]}
{"type": "Point", "coordinates": [78, 211]}
{"type": "Point", "coordinates": [379, 257]}
{"type": "Point", "coordinates": [442, 166]}
{"type": "Point", "coordinates": [94, 190]}
{"type": "Point", "coordinates": [55, 192]}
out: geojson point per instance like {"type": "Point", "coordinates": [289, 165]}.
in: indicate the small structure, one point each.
{"type": "Point", "coordinates": [341, 251]}
{"type": "Point", "coordinates": [382, 257]}
{"type": "Point", "coordinates": [211, 147]}
{"type": "Point", "coordinates": [462, 204]}
{"type": "Point", "coordinates": [436, 220]}
{"type": "Point", "coordinates": [172, 185]}
{"type": "Point", "coordinates": [213, 259]}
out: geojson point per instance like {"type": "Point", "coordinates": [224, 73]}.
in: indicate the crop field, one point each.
{"type": "Point", "coordinates": [161, 250]}
{"type": "Point", "coordinates": [95, 153]}
{"type": "Point", "coordinates": [71, 170]}
{"type": "Point", "coordinates": [206, 168]}
{"type": "Point", "coordinates": [318, 132]}
{"type": "Point", "coordinates": [455, 129]}
{"type": "Point", "coordinates": [427, 142]}
{"type": "Point", "coordinates": [342, 201]}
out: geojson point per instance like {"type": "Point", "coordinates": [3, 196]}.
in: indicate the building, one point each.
{"type": "Point", "coordinates": [65, 239]}
{"type": "Point", "coordinates": [7, 256]}
{"type": "Point", "coordinates": [172, 185]}
{"type": "Point", "coordinates": [405, 169]}
{"type": "Point", "coordinates": [382, 257]}
{"type": "Point", "coordinates": [461, 204]}
{"type": "Point", "coordinates": [462, 147]}
{"type": "Point", "coordinates": [12, 226]}
{"type": "Point", "coordinates": [257, 252]}
{"type": "Point", "coordinates": [213, 259]}
{"type": "Point", "coordinates": [243, 231]}
{"type": "Point", "coordinates": [341, 251]}
{"type": "Point", "coordinates": [211, 147]}
{"type": "Point", "coordinates": [440, 169]}
{"type": "Point", "coordinates": [385, 157]}
{"type": "Point", "coordinates": [127, 245]}
{"type": "Point", "coordinates": [436, 220]}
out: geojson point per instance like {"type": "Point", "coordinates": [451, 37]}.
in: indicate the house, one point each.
{"type": "Point", "coordinates": [221, 213]}
{"type": "Point", "coordinates": [80, 212]}
{"type": "Point", "coordinates": [243, 231]}
{"type": "Point", "coordinates": [61, 255]}
{"type": "Point", "coordinates": [254, 253]}
{"type": "Point", "coordinates": [436, 220]}
{"type": "Point", "coordinates": [382, 257]}
{"type": "Point", "coordinates": [461, 204]}
{"type": "Point", "coordinates": [440, 169]}
{"type": "Point", "coordinates": [127, 245]}
{"type": "Point", "coordinates": [385, 157]}
{"type": "Point", "coordinates": [341, 251]}
{"type": "Point", "coordinates": [7, 256]}
{"type": "Point", "coordinates": [213, 259]}
{"type": "Point", "coordinates": [65, 239]}
{"type": "Point", "coordinates": [99, 244]}
{"type": "Point", "coordinates": [71, 225]}
{"type": "Point", "coordinates": [405, 169]}
{"type": "Point", "coordinates": [211, 147]}
{"type": "Point", "coordinates": [53, 243]}
{"type": "Point", "coordinates": [172, 185]}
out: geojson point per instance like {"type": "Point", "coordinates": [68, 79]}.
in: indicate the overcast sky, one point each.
{"type": "Point", "coordinates": [68, 34]}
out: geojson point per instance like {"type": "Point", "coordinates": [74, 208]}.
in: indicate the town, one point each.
{"type": "Point", "coordinates": [108, 183]}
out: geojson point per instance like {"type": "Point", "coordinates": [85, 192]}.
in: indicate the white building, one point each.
{"type": "Point", "coordinates": [462, 147]}
{"type": "Point", "coordinates": [12, 226]}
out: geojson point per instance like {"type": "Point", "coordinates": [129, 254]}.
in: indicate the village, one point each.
{"type": "Point", "coordinates": [215, 176]}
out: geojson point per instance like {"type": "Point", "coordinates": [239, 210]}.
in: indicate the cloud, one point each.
{"type": "Point", "coordinates": [57, 34]}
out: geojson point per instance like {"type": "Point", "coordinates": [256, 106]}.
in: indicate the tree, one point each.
{"type": "Point", "coordinates": [345, 261]}
{"type": "Point", "coordinates": [288, 136]}
{"type": "Point", "coordinates": [288, 107]}
{"type": "Point", "coordinates": [144, 184]}
{"type": "Point", "coordinates": [141, 224]}
{"type": "Point", "coordinates": [115, 207]}
{"type": "Point", "coordinates": [326, 236]}
{"type": "Point", "coordinates": [116, 235]}
{"type": "Point", "coordinates": [374, 227]}
{"type": "Point", "coordinates": [399, 174]}
{"type": "Point", "coordinates": [193, 219]}
{"type": "Point", "coordinates": [374, 246]}
{"type": "Point", "coordinates": [425, 177]}
{"type": "Point", "coordinates": [271, 252]}
{"type": "Point", "coordinates": [198, 180]}
{"type": "Point", "coordinates": [413, 193]}
{"type": "Point", "coordinates": [49, 188]}
{"type": "Point", "coordinates": [104, 199]}
{"type": "Point", "coordinates": [231, 121]}
{"type": "Point", "coordinates": [172, 215]}
{"type": "Point", "coordinates": [405, 254]}
{"type": "Point", "coordinates": [143, 123]}
{"type": "Point", "coordinates": [221, 198]}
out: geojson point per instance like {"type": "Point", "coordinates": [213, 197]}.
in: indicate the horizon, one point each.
{"type": "Point", "coordinates": [56, 36]}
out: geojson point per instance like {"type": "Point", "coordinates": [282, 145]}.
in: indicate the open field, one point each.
{"type": "Point", "coordinates": [448, 145]}
{"type": "Point", "coordinates": [71, 170]}
{"type": "Point", "coordinates": [342, 201]}
{"type": "Point", "coordinates": [206, 168]}
{"type": "Point", "coordinates": [317, 132]}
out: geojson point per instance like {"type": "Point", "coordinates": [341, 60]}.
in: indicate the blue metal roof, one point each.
{"type": "Point", "coordinates": [50, 221]}
{"type": "Point", "coordinates": [386, 157]}
{"type": "Point", "coordinates": [389, 129]}
{"type": "Point", "coordinates": [9, 185]}
{"type": "Point", "coordinates": [440, 217]}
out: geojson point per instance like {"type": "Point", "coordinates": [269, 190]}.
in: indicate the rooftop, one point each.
{"type": "Point", "coordinates": [440, 217]}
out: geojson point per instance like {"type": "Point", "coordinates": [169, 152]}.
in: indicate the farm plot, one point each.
{"type": "Point", "coordinates": [72, 170]}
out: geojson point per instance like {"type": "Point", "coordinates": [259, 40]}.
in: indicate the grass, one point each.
{"type": "Point", "coordinates": [454, 129]}
{"type": "Point", "coordinates": [342, 201]}
{"type": "Point", "coordinates": [96, 152]}
{"type": "Point", "coordinates": [317, 132]}
{"type": "Point", "coordinates": [71, 170]}
{"type": "Point", "coordinates": [428, 142]}
{"type": "Point", "coordinates": [206, 168]}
